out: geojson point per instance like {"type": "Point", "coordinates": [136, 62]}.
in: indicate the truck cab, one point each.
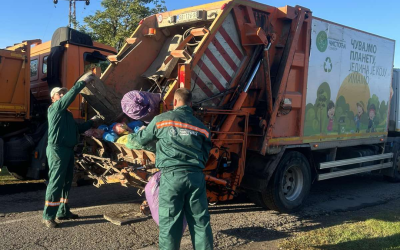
{"type": "Point", "coordinates": [60, 62]}
{"type": "Point", "coordinates": [23, 107]}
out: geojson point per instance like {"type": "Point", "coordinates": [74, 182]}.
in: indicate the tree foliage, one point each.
{"type": "Point", "coordinates": [119, 19]}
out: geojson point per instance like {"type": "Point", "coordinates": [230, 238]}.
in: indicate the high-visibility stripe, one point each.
{"type": "Point", "coordinates": [217, 65]}
{"type": "Point", "coordinates": [197, 80]}
{"type": "Point", "coordinates": [224, 54]}
{"type": "Point", "coordinates": [52, 204]}
{"type": "Point", "coordinates": [215, 69]}
{"type": "Point", "coordinates": [230, 28]}
{"type": "Point", "coordinates": [220, 59]}
{"type": "Point", "coordinates": [201, 75]}
{"type": "Point", "coordinates": [230, 42]}
{"type": "Point", "coordinates": [212, 78]}
{"type": "Point", "coordinates": [164, 124]}
{"type": "Point", "coordinates": [64, 200]}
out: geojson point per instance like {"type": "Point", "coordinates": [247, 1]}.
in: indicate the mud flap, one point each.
{"type": "Point", "coordinates": [1, 153]}
{"type": "Point", "coordinates": [39, 160]}
{"type": "Point", "coordinates": [393, 146]}
{"type": "Point", "coordinates": [254, 183]}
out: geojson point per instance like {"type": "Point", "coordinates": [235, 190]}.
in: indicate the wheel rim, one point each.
{"type": "Point", "coordinates": [292, 183]}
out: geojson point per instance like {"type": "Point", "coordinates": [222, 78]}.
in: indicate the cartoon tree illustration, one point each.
{"type": "Point", "coordinates": [321, 103]}
{"type": "Point", "coordinates": [342, 108]}
{"type": "Point", "coordinates": [311, 124]}
{"type": "Point", "coordinates": [375, 101]}
{"type": "Point", "coordinates": [383, 110]}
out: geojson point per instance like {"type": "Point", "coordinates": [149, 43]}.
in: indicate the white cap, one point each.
{"type": "Point", "coordinates": [56, 90]}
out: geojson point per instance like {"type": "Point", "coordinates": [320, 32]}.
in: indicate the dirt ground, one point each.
{"type": "Point", "coordinates": [236, 225]}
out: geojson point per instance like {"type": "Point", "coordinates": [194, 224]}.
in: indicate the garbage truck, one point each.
{"type": "Point", "coordinates": [289, 98]}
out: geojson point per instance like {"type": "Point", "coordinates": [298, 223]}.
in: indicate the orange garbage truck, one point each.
{"type": "Point", "coordinates": [28, 71]}
{"type": "Point", "coordinates": [289, 98]}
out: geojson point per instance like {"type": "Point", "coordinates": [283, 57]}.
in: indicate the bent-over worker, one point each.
{"type": "Point", "coordinates": [63, 135]}
{"type": "Point", "coordinates": [182, 152]}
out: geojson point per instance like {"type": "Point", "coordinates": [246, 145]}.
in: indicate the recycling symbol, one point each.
{"type": "Point", "coordinates": [328, 65]}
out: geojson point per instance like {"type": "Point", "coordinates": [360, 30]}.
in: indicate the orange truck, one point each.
{"type": "Point", "coordinates": [289, 98]}
{"type": "Point", "coordinates": [27, 72]}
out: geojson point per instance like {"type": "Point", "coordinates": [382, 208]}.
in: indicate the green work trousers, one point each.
{"type": "Point", "coordinates": [61, 171]}
{"type": "Point", "coordinates": [183, 193]}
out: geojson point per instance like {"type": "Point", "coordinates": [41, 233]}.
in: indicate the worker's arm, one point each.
{"type": "Point", "coordinates": [82, 127]}
{"type": "Point", "coordinates": [148, 134]}
{"type": "Point", "coordinates": [69, 97]}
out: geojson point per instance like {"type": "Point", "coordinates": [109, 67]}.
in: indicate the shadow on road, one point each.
{"type": "Point", "coordinates": [90, 217]}
{"type": "Point", "coordinates": [9, 189]}
{"type": "Point", "coordinates": [234, 209]}
{"type": "Point", "coordinates": [255, 234]}
{"type": "Point", "coordinates": [76, 223]}
{"type": "Point", "coordinates": [80, 197]}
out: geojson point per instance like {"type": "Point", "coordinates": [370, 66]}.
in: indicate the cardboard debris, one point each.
{"type": "Point", "coordinates": [126, 217]}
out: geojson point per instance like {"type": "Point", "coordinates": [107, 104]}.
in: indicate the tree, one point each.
{"type": "Point", "coordinates": [119, 19]}
{"type": "Point", "coordinates": [383, 110]}
{"type": "Point", "coordinates": [374, 100]}
{"type": "Point", "coordinates": [311, 125]}
{"type": "Point", "coordinates": [321, 103]}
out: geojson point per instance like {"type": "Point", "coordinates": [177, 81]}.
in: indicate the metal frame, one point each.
{"type": "Point", "coordinates": [347, 143]}
{"type": "Point", "coordinates": [354, 171]}
{"type": "Point", "coordinates": [351, 161]}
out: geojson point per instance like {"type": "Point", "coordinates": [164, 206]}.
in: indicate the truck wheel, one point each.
{"type": "Point", "coordinates": [18, 172]}
{"type": "Point", "coordinates": [290, 184]}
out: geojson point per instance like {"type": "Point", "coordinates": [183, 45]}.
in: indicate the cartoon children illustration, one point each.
{"type": "Point", "coordinates": [357, 117]}
{"type": "Point", "coordinates": [371, 116]}
{"type": "Point", "coordinates": [331, 114]}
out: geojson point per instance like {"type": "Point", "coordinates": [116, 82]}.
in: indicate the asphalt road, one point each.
{"type": "Point", "coordinates": [236, 225]}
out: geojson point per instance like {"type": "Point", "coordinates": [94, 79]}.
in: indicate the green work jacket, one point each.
{"type": "Point", "coordinates": [63, 129]}
{"type": "Point", "coordinates": [183, 140]}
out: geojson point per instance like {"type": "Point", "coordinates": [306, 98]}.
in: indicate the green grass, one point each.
{"type": "Point", "coordinates": [5, 177]}
{"type": "Point", "coordinates": [382, 232]}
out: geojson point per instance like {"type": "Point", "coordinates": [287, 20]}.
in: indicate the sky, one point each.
{"type": "Point", "coordinates": [38, 19]}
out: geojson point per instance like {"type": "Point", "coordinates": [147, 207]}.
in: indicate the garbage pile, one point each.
{"type": "Point", "coordinates": [140, 107]}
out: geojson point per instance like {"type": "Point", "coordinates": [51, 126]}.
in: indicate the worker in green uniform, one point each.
{"type": "Point", "coordinates": [62, 137]}
{"type": "Point", "coordinates": [182, 151]}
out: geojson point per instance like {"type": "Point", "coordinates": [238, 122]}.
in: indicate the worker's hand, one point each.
{"type": "Point", "coordinates": [97, 121]}
{"type": "Point", "coordinates": [142, 127]}
{"type": "Point", "coordinates": [88, 77]}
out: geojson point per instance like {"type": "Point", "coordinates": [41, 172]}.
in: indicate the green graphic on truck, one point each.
{"type": "Point", "coordinates": [322, 41]}
{"type": "Point", "coordinates": [353, 98]}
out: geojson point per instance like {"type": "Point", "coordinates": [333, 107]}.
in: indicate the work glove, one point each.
{"type": "Point", "coordinates": [88, 77]}
{"type": "Point", "coordinates": [97, 120]}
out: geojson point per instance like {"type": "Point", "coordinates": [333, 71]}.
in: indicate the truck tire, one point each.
{"type": "Point", "coordinates": [290, 184]}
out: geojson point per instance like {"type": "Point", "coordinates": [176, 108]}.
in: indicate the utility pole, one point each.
{"type": "Point", "coordinates": [72, 10]}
